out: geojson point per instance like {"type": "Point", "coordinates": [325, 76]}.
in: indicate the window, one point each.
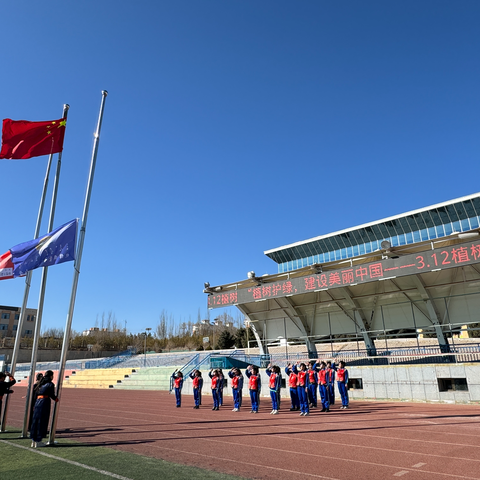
{"type": "Point", "coordinates": [3, 327]}
{"type": "Point", "coordinates": [17, 316]}
{"type": "Point", "coordinates": [5, 316]}
{"type": "Point", "coordinates": [28, 332]}
{"type": "Point", "coordinates": [14, 328]}
{"type": "Point", "coordinates": [355, 383]}
{"type": "Point", "coordinates": [452, 385]}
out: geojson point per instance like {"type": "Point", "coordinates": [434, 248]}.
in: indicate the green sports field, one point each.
{"type": "Point", "coordinates": [72, 460]}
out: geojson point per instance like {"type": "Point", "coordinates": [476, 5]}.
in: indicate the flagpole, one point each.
{"type": "Point", "coordinates": [76, 272]}
{"type": "Point", "coordinates": [41, 300]}
{"type": "Point", "coordinates": [28, 280]}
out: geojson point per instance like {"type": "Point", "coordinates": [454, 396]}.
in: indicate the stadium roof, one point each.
{"type": "Point", "coordinates": [436, 221]}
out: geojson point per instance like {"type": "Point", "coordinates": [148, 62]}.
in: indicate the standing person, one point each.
{"type": "Point", "coordinates": [342, 382]}
{"type": "Point", "coordinates": [274, 383]}
{"type": "Point", "coordinates": [331, 383]}
{"type": "Point", "coordinates": [253, 386]}
{"type": "Point", "coordinates": [312, 383]}
{"type": "Point", "coordinates": [41, 411]}
{"type": "Point", "coordinates": [234, 374]}
{"type": "Point", "coordinates": [323, 388]}
{"type": "Point", "coordinates": [293, 385]}
{"type": "Point", "coordinates": [36, 386]}
{"type": "Point", "coordinates": [177, 378]}
{"type": "Point", "coordinates": [215, 386]}
{"type": "Point", "coordinates": [302, 389]}
{"type": "Point", "coordinates": [5, 386]}
{"type": "Point", "coordinates": [221, 379]}
{"type": "Point", "coordinates": [240, 387]}
{"type": "Point", "coordinates": [197, 380]}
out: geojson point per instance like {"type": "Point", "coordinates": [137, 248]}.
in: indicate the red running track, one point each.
{"type": "Point", "coordinates": [371, 440]}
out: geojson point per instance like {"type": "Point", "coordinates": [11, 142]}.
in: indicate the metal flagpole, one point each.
{"type": "Point", "coordinates": [76, 273]}
{"type": "Point", "coordinates": [28, 280]}
{"type": "Point", "coordinates": [41, 299]}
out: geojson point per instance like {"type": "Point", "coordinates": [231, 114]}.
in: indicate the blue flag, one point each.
{"type": "Point", "coordinates": [51, 249]}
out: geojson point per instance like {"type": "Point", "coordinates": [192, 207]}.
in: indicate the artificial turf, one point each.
{"type": "Point", "coordinates": [20, 463]}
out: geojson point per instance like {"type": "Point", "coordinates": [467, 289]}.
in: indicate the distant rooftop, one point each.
{"type": "Point", "coordinates": [429, 223]}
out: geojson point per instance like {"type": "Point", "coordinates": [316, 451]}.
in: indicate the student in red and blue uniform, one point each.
{"type": "Point", "coordinates": [235, 375]}
{"type": "Point", "coordinates": [342, 382]}
{"type": "Point", "coordinates": [331, 383]}
{"type": "Point", "coordinates": [323, 387]}
{"type": "Point", "coordinates": [275, 382]}
{"type": "Point", "coordinates": [177, 378]}
{"type": "Point", "coordinates": [302, 389]}
{"type": "Point", "coordinates": [197, 380]}
{"type": "Point", "coordinates": [293, 385]}
{"type": "Point", "coordinates": [312, 383]}
{"type": "Point", "coordinates": [215, 386]}
{"type": "Point", "coordinates": [253, 386]}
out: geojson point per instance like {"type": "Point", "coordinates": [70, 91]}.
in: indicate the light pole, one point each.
{"type": "Point", "coordinates": [215, 322]}
{"type": "Point", "coordinates": [145, 347]}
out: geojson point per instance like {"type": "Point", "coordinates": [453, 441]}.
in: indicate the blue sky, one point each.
{"type": "Point", "coordinates": [230, 128]}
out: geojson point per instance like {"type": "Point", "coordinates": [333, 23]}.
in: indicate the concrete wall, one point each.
{"type": "Point", "coordinates": [25, 355]}
{"type": "Point", "coordinates": [416, 383]}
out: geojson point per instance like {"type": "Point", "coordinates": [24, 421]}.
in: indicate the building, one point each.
{"type": "Point", "coordinates": [389, 279]}
{"type": "Point", "coordinates": [9, 317]}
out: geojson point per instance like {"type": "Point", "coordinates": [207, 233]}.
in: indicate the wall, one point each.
{"type": "Point", "coordinates": [416, 383]}
{"type": "Point", "coordinates": [25, 355]}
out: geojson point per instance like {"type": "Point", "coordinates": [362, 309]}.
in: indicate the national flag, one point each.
{"type": "Point", "coordinates": [6, 266]}
{"type": "Point", "coordinates": [51, 249]}
{"type": "Point", "coordinates": [22, 139]}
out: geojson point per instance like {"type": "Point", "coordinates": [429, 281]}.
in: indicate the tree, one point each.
{"type": "Point", "coordinates": [240, 338]}
{"type": "Point", "coordinates": [225, 340]}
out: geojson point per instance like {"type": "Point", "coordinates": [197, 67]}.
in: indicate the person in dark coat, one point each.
{"type": "Point", "coordinates": [41, 410]}
{"type": "Point", "coordinates": [5, 386]}
{"type": "Point", "coordinates": [36, 386]}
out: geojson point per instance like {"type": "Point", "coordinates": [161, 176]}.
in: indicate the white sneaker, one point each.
{"type": "Point", "coordinates": [301, 414]}
{"type": "Point", "coordinates": [306, 414]}
{"type": "Point", "coordinates": [32, 445]}
{"type": "Point", "coordinates": [275, 412]}
{"type": "Point", "coordinates": [39, 445]}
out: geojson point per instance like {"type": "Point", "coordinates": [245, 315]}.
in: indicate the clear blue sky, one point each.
{"type": "Point", "coordinates": [231, 127]}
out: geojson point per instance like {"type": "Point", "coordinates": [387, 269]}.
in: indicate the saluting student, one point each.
{"type": "Point", "coordinates": [177, 378]}
{"type": "Point", "coordinates": [323, 387]}
{"type": "Point", "coordinates": [253, 386]}
{"type": "Point", "coordinates": [312, 383]}
{"type": "Point", "coordinates": [221, 379]}
{"type": "Point", "coordinates": [330, 383]}
{"type": "Point", "coordinates": [215, 386]}
{"type": "Point", "coordinates": [302, 389]}
{"type": "Point", "coordinates": [234, 374]}
{"type": "Point", "coordinates": [342, 382]}
{"type": "Point", "coordinates": [274, 383]}
{"type": "Point", "coordinates": [293, 385]}
{"type": "Point", "coordinates": [197, 380]}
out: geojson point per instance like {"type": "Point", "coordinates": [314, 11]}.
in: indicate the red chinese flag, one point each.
{"type": "Point", "coordinates": [22, 139]}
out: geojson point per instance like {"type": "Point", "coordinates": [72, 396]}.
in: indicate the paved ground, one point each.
{"type": "Point", "coordinates": [372, 440]}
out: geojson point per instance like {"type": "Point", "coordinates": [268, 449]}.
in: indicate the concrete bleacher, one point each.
{"type": "Point", "coordinates": [154, 378]}
{"type": "Point", "coordinates": [97, 378]}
